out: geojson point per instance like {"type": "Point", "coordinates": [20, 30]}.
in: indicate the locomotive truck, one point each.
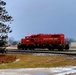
{"type": "Point", "coordinates": [50, 41]}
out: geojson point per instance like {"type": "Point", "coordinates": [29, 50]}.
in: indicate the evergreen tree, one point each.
{"type": "Point", "coordinates": [4, 28]}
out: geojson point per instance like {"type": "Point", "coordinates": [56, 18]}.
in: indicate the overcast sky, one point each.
{"type": "Point", "coordinates": [42, 16]}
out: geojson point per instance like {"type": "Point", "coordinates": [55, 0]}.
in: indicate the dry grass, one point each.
{"type": "Point", "coordinates": [34, 61]}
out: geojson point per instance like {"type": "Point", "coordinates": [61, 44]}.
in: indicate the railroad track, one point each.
{"type": "Point", "coordinates": [16, 51]}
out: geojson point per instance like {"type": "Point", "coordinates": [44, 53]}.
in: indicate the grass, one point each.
{"type": "Point", "coordinates": [35, 61]}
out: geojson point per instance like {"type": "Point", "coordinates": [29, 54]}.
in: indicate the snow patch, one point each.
{"type": "Point", "coordinates": [40, 71]}
{"type": "Point", "coordinates": [17, 60]}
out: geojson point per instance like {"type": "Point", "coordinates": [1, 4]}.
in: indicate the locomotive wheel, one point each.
{"type": "Point", "coordinates": [22, 48]}
{"type": "Point", "coordinates": [32, 48]}
{"type": "Point", "coordinates": [60, 48]}
{"type": "Point", "coordinates": [49, 48]}
{"type": "Point", "coordinates": [25, 48]}
{"type": "Point", "coordinates": [67, 47]}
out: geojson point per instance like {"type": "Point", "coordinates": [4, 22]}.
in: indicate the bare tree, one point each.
{"type": "Point", "coordinates": [69, 40]}
{"type": "Point", "coordinates": [10, 40]}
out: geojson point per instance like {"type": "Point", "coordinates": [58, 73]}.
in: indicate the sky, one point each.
{"type": "Point", "coordinates": [42, 16]}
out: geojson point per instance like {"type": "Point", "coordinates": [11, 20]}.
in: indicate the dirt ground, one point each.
{"type": "Point", "coordinates": [7, 58]}
{"type": "Point", "coordinates": [11, 47]}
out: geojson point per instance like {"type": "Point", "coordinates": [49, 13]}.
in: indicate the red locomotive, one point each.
{"type": "Point", "coordinates": [50, 41]}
